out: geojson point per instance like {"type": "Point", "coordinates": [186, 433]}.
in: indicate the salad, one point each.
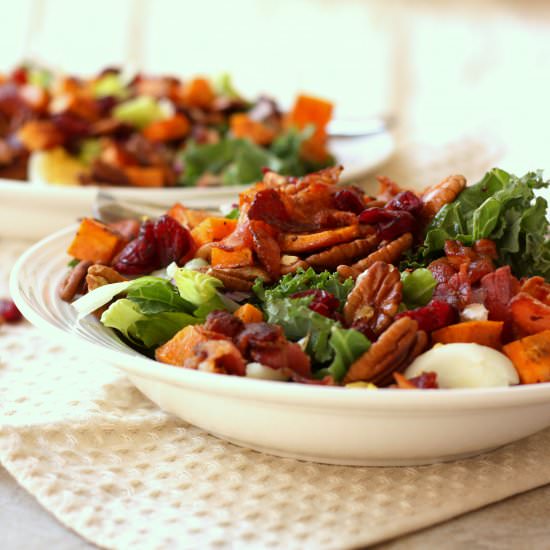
{"type": "Point", "coordinates": [312, 282]}
{"type": "Point", "coordinates": [148, 131]}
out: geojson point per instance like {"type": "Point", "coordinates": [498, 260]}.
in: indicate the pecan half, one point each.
{"type": "Point", "coordinates": [99, 275]}
{"type": "Point", "coordinates": [440, 194]}
{"type": "Point", "coordinates": [343, 253]}
{"type": "Point", "coordinates": [375, 298]}
{"type": "Point", "coordinates": [387, 354]}
{"type": "Point", "coordinates": [389, 253]}
{"type": "Point", "coordinates": [230, 282]}
{"type": "Point", "coordinates": [71, 285]}
{"type": "Point", "coordinates": [291, 264]}
{"type": "Point", "coordinates": [346, 271]}
{"type": "Point", "coordinates": [249, 273]}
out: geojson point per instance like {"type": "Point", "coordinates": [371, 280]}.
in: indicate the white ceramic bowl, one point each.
{"type": "Point", "coordinates": [34, 210]}
{"type": "Point", "coordinates": [322, 424]}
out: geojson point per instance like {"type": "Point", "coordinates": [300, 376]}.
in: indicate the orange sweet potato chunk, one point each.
{"type": "Point", "coordinates": [175, 127]}
{"type": "Point", "coordinates": [198, 93]}
{"type": "Point", "coordinates": [95, 242]}
{"type": "Point", "coordinates": [213, 229]}
{"type": "Point", "coordinates": [180, 347]}
{"type": "Point", "coordinates": [248, 313]}
{"type": "Point", "coordinates": [242, 126]}
{"type": "Point", "coordinates": [221, 259]}
{"type": "Point", "coordinates": [484, 333]}
{"type": "Point", "coordinates": [187, 217]}
{"type": "Point", "coordinates": [531, 357]}
{"type": "Point", "coordinates": [145, 176]}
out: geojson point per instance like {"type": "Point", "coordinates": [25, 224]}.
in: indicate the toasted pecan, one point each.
{"type": "Point", "coordinates": [387, 354]}
{"type": "Point", "coordinates": [74, 281]}
{"type": "Point", "coordinates": [230, 282]}
{"type": "Point", "coordinates": [343, 253]}
{"type": "Point", "coordinates": [440, 194]}
{"type": "Point", "coordinates": [249, 273]}
{"type": "Point", "coordinates": [375, 298]}
{"type": "Point", "coordinates": [389, 253]}
{"type": "Point", "coordinates": [100, 275]}
{"type": "Point", "coordinates": [291, 264]}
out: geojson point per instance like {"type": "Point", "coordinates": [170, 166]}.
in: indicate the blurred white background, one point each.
{"type": "Point", "coordinates": [446, 68]}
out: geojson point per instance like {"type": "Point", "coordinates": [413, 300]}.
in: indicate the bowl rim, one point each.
{"type": "Point", "coordinates": [343, 399]}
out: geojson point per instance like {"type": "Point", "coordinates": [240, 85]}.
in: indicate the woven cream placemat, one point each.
{"type": "Point", "coordinates": [121, 473]}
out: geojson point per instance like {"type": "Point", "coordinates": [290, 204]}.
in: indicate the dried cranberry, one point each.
{"type": "Point", "coordinates": [19, 75]}
{"type": "Point", "coordinates": [389, 223]}
{"type": "Point", "coordinates": [407, 201]}
{"type": "Point", "coordinates": [71, 126]}
{"type": "Point", "coordinates": [324, 303]}
{"type": "Point", "coordinates": [437, 314]}
{"type": "Point", "coordinates": [173, 240]}
{"type": "Point", "coordinates": [350, 199]}
{"type": "Point", "coordinates": [8, 311]}
{"type": "Point", "coordinates": [106, 104]}
{"type": "Point", "coordinates": [425, 381]}
{"type": "Point", "coordinates": [140, 255]}
{"type": "Point", "coordinates": [365, 329]}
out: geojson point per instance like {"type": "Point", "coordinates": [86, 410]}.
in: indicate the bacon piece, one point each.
{"type": "Point", "coordinates": [441, 270]}
{"type": "Point", "coordinates": [425, 381]}
{"type": "Point", "coordinates": [217, 356]}
{"type": "Point", "coordinates": [530, 308]}
{"type": "Point", "coordinates": [257, 333]}
{"type": "Point", "coordinates": [500, 287]}
{"type": "Point", "coordinates": [223, 322]}
{"type": "Point", "coordinates": [266, 247]}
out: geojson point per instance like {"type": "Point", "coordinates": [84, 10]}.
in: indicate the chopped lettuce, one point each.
{"type": "Point", "coordinates": [501, 207]}
{"type": "Point", "coordinates": [156, 295]}
{"type": "Point", "coordinates": [110, 84]}
{"type": "Point", "coordinates": [90, 149]}
{"type": "Point", "coordinates": [223, 85]}
{"type": "Point", "coordinates": [145, 330]}
{"type": "Point", "coordinates": [418, 287]}
{"type": "Point", "coordinates": [348, 345]}
{"type": "Point", "coordinates": [240, 162]}
{"type": "Point", "coordinates": [305, 280]}
{"type": "Point", "coordinates": [140, 111]}
{"type": "Point", "coordinates": [298, 321]}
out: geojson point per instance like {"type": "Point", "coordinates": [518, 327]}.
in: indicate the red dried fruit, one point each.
{"type": "Point", "coordinates": [425, 381]}
{"type": "Point", "coordinates": [19, 75]}
{"type": "Point", "coordinates": [324, 303]}
{"type": "Point", "coordinates": [389, 223]}
{"type": "Point", "coordinates": [350, 199]}
{"type": "Point", "coordinates": [9, 312]}
{"type": "Point", "coordinates": [140, 255]}
{"type": "Point", "coordinates": [407, 201]}
{"type": "Point", "coordinates": [71, 126]}
{"type": "Point", "coordinates": [173, 241]}
{"type": "Point", "coordinates": [437, 314]}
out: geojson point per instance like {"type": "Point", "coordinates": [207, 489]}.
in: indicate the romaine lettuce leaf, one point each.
{"type": "Point", "coordinates": [142, 329]}
{"type": "Point", "coordinates": [348, 345]}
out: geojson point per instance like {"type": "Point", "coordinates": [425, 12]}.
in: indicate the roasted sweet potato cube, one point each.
{"type": "Point", "coordinates": [531, 357]}
{"type": "Point", "coordinates": [529, 314]}
{"type": "Point", "coordinates": [95, 242]}
{"type": "Point", "coordinates": [37, 135]}
{"type": "Point", "coordinates": [180, 347]}
{"type": "Point", "coordinates": [484, 333]}
{"type": "Point", "coordinates": [175, 127]}
{"type": "Point", "coordinates": [242, 126]}
{"type": "Point", "coordinates": [221, 259]}
{"type": "Point", "coordinates": [145, 176]}
{"type": "Point", "coordinates": [213, 229]}
{"type": "Point", "coordinates": [197, 93]}
{"type": "Point", "coordinates": [248, 313]}
{"type": "Point", "coordinates": [187, 217]}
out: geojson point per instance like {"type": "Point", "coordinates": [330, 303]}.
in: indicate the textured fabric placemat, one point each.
{"type": "Point", "coordinates": [110, 465]}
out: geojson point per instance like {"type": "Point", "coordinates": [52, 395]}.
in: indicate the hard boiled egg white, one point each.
{"type": "Point", "coordinates": [465, 366]}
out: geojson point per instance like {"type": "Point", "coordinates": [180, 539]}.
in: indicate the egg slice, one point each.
{"type": "Point", "coordinates": [54, 167]}
{"type": "Point", "coordinates": [465, 366]}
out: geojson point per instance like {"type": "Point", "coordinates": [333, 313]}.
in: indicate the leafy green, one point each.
{"type": "Point", "coordinates": [240, 162]}
{"type": "Point", "coordinates": [110, 84]}
{"type": "Point", "coordinates": [501, 207]}
{"type": "Point", "coordinates": [418, 287]}
{"type": "Point", "coordinates": [154, 295]}
{"type": "Point", "coordinates": [298, 321]}
{"type": "Point", "coordinates": [234, 214]}
{"type": "Point", "coordinates": [348, 345]}
{"type": "Point", "coordinates": [200, 290]}
{"type": "Point", "coordinates": [90, 149]}
{"type": "Point", "coordinates": [223, 85]}
{"type": "Point", "coordinates": [146, 330]}
{"type": "Point", "coordinates": [139, 111]}
{"type": "Point", "coordinates": [42, 78]}
{"type": "Point", "coordinates": [305, 280]}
